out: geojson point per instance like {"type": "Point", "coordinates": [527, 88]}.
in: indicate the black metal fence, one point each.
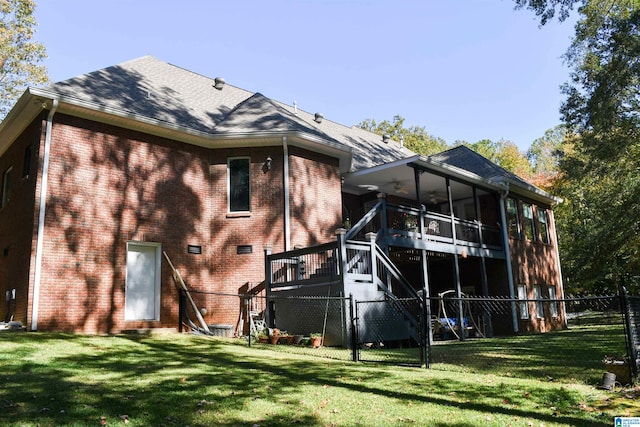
{"type": "Point", "coordinates": [583, 336]}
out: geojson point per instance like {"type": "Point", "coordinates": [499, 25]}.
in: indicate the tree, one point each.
{"type": "Point", "coordinates": [415, 138]}
{"type": "Point", "coordinates": [600, 168]}
{"type": "Point", "coordinates": [546, 9]}
{"type": "Point", "coordinates": [544, 157]}
{"type": "Point", "coordinates": [545, 152]}
{"type": "Point", "coordinates": [504, 153]}
{"type": "Point", "coordinates": [19, 54]}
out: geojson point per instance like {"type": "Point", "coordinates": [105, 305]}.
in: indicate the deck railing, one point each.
{"type": "Point", "coordinates": [307, 266]}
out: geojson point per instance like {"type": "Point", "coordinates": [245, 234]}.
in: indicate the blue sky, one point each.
{"type": "Point", "coordinates": [465, 70]}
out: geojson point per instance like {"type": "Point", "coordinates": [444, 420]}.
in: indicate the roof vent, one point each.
{"type": "Point", "coordinates": [219, 83]}
{"type": "Point", "coordinates": [318, 118]}
{"type": "Point", "coordinates": [385, 138]}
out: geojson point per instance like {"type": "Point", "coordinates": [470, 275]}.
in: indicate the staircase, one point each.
{"type": "Point", "coordinates": [349, 266]}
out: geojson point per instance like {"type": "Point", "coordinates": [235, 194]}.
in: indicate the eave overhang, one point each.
{"type": "Point", "coordinates": [35, 100]}
{"type": "Point", "coordinates": [382, 173]}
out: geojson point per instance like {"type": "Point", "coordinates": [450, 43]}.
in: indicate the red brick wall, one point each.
{"type": "Point", "coordinates": [535, 263]}
{"type": "Point", "coordinates": [108, 185]}
{"type": "Point", "coordinates": [17, 222]}
{"type": "Point", "coordinates": [315, 197]}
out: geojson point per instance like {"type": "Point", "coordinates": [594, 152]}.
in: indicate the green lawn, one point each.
{"type": "Point", "coordinates": [186, 380]}
{"type": "Point", "coordinates": [573, 355]}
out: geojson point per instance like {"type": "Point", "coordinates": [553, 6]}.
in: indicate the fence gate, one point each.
{"type": "Point", "coordinates": [389, 331]}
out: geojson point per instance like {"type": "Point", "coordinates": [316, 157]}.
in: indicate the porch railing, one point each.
{"type": "Point", "coordinates": [405, 221]}
{"type": "Point", "coordinates": [303, 267]}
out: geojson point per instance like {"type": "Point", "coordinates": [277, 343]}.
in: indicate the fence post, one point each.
{"type": "Point", "coordinates": [426, 329]}
{"type": "Point", "coordinates": [353, 312]}
{"type": "Point", "coordinates": [267, 284]}
{"type": "Point", "coordinates": [625, 307]}
{"type": "Point", "coordinates": [354, 330]}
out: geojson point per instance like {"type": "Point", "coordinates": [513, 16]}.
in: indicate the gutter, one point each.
{"type": "Point", "coordinates": [43, 204]}
{"type": "Point", "coordinates": [104, 114]}
{"type": "Point", "coordinates": [555, 239]}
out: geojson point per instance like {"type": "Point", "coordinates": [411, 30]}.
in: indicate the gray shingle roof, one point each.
{"type": "Point", "coordinates": [465, 158]}
{"type": "Point", "coordinates": [260, 114]}
{"type": "Point", "coordinates": [160, 91]}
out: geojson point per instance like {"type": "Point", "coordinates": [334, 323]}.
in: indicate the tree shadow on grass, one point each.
{"type": "Point", "coordinates": [569, 356]}
{"type": "Point", "coordinates": [200, 381]}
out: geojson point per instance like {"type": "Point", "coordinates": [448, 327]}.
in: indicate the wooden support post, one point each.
{"type": "Point", "coordinates": [178, 279]}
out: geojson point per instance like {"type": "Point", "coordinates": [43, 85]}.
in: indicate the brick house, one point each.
{"type": "Point", "coordinates": [103, 172]}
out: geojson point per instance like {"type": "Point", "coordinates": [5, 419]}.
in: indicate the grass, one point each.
{"type": "Point", "coordinates": [186, 380]}
{"type": "Point", "coordinates": [572, 355]}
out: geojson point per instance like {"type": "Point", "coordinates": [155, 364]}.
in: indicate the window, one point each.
{"type": "Point", "coordinates": [513, 221]}
{"type": "Point", "coordinates": [6, 186]}
{"type": "Point", "coordinates": [522, 295]}
{"type": "Point", "coordinates": [26, 165]}
{"type": "Point", "coordinates": [553, 305]}
{"type": "Point", "coordinates": [537, 295]}
{"type": "Point", "coordinates": [239, 185]}
{"type": "Point", "coordinates": [543, 221]}
{"type": "Point", "coordinates": [529, 226]}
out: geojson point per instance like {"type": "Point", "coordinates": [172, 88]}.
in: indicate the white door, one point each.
{"type": "Point", "coordinates": [142, 297]}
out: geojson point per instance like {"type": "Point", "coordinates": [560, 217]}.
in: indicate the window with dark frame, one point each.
{"type": "Point", "coordinates": [513, 220]}
{"type": "Point", "coordinates": [239, 184]}
{"type": "Point", "coordinates": [6, 186]}
{"type": "Point", "coordinates": [529, 224]}
{"type": "Point", "coordinates": [26, 165]}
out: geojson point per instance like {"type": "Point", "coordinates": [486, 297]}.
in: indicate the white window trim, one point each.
{"type": "Point", "coordinates": [553, 304]}
{"type": "Point", "coordinates": [537, 295]}
{"type": "Point", "coordinates": [546, 237]}
{"type": "Point", "coordinates": [523, 306]}
{"type": "Point", "coordinates": [518, 235]}
{"type": "Point", "coordinates": [529, 226]}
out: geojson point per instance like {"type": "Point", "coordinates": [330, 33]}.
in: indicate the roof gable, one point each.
{"type": "Point", "coordinates": [149, 88]}
{"type": "Point", "coordinates": [155, 89]}
{"type": "Point", "coordinates": [465, 158]}
{"type": "Point", "coordinates": [259, 114]}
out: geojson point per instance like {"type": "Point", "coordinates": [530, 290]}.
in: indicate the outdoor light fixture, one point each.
{"type": "Point", "coordinates": [386, 138]}
{"type": "Point", "coordinates": [267, 164]}
{"type": "Point", "coordinates": [318, 118]}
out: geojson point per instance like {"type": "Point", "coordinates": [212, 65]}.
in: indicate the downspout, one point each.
{"type": "Point", "coordinates": [43, 204]}
{"type": "Point", "coordinates": [287, 211]}
{"type": "Point", "coordinates": [505, 242]}
{"type": "Point", "coordinates": [555, 239]}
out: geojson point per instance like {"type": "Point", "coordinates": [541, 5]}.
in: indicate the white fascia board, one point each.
{"type": "Point", "coordinates": [459, 173]}
{"type": "Point", "coordinates": [25, 110]}
{"type": "Point", "coordinates": [437, 167]}
{"type": "Point", "coordinates": [532, 192]}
